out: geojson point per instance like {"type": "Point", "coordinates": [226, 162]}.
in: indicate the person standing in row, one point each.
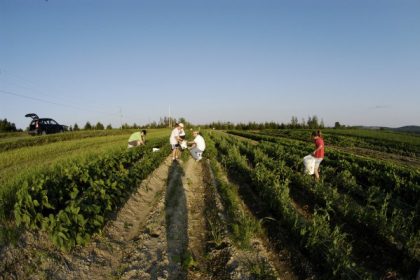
{"type": "Point", "coordinates": [137, 138]}
{"type": "Point", "coordinates": [319, 151]}
{"type": "Point", "coordinates": [198, 146]}
{"type": "Point", "coordinates": [183, 143]}
{"type": "Point", "coordinates": [175, 139]}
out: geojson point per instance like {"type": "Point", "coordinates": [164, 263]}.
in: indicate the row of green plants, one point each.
{"type": "Point", "coordinates": [72, 202]}
{"type": "Point", "coordinates": [396, 225]}
{"type": "Point", "coordinates": [326, 244]}
{"type": "Point", "coordinates": [389, 142]}
{"type": "Point", "coordinates": [18, 164]}
{"type": "Point", "coordinates": [28, 141]}
{"type": "Point", "coordinates": [236, 223]}
{"type": "Point", "coordinates": [372, 176]}
{"type": "Point", "coordinates": [240, 225]}
{"type": "Point", "coordinates": [374, 184]}
{"type": "Point", "coordinates": [383, 222]}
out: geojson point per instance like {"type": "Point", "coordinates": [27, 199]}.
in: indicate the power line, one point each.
{"type": "Point", "coordinates": [51, 102]}
{"type": "Point", "coordinates": [34, 87]}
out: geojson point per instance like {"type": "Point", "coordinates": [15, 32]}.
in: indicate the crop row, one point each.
{"type": "Point", "coordinates": [372, 178]}
{"type": "Point", "coordinates": [326, 245]}
{"type": "Point", "coordinates": [72, 202]}
{"type": "Point", "coordinates": [383, 222]}
{"type": "Point", "coordinates": [389, 227]}
{"type": "Point", "coordinates": [401, 144]}
{"type": "Point", "coordinates": [382, 197]}
{"type": "Point", "coordinates": [28, 141]}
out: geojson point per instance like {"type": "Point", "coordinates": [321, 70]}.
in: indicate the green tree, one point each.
{"type": "Point", "coordinates": [99, 126]}
{"type": "Point", "coordinates": [6, 126]}
{"type": "Point", "coordinates": [88, 126]}
{"type": "Point", "coordinates": [313, 122]}
{"type": "Point", "coordinates": [322, 125]}
{"type": "Point", "coordinates": [76, 127]}
{"type": "Point", "coordinates": [109, 126]}
{"type": "Point", "coordinates": [337, 125]}
{"type": "Point", "coordinates": [294, 123]}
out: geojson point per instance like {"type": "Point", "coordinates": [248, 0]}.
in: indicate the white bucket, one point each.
{"type": "Point", "coordinates": [183, 144]}
{"type": "Point", "coordinates": [309, 163]}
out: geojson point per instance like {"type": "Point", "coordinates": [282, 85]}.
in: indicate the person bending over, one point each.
{"type": "Point", "coordinates": [198, 146]}
{"type": "Point", "coordinates": [137, 138]}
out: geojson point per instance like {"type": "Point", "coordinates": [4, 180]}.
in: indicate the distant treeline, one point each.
{"type": "Point", "coordinates": [6, 126]}
{"type": "Point", "coordinates": [312, 122]}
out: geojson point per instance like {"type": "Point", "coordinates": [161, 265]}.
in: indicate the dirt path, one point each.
{"type": "Point", "coordinates": [139, 243]}
{"type": "Point", "coordinates": [195, 191]}
{"type": "Point", "coordinates": [158, 234]}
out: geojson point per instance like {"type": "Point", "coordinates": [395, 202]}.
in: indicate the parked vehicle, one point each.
{"type": "Point", "coordinates": [42, 126]}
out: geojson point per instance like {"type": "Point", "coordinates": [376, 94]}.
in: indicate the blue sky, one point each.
{"type": "Point", "coordinates": [356, 62]}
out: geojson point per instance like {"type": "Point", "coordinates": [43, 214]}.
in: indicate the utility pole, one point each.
{"type": "Point", "coordinates": [170, 121]}
{"type": "Point", "coordinates": [121, 117]}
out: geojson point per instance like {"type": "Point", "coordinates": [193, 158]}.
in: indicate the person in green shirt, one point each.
{"type": "Point", "coordinates": [137, 138]}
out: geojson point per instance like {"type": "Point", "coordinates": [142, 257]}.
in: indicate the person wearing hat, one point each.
{"type": "Point", "coordinates": [175, 139]}
{"type": "Point", "coordinates": [198, 146]}
{"type": "Point", "coordinates": [137, 138]}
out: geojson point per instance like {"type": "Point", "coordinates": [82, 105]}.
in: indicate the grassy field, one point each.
{"type": "Point", "coordinates": [401, 144]}
{"type": "Point", "coordinates": [22, 162]}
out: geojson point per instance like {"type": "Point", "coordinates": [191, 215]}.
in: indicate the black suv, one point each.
{"type": "Point", "coordinates": [44, 125]}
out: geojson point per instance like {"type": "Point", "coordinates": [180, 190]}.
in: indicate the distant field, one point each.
{"type": "Point", "coordinates": [42, 153]}
{"type": "Point", "coordinates": [408, 138]}
{"type": "Point", "coordinates": [18, 140]}
{"type": "Point", "coordinates": [403, 144]}
{"type": "Point", "coordinates": [23, 161]}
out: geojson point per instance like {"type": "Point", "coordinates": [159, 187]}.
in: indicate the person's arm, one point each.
{"type": "Point", "coordinates": [192, 143]}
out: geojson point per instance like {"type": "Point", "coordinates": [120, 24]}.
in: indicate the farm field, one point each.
{"type": "Point", "coordinates": [82, 206]}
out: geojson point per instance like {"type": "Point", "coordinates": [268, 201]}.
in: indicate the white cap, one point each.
{"type": "Point", "coordinates": [181, 125]}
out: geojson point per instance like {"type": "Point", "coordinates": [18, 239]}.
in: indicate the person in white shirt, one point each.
{"type": "Point", "coordinates": [198, 146]}
{"type": "Point", "coordinates": [183, 144]}
{"type": "Point", "coordinates": [175, 139]}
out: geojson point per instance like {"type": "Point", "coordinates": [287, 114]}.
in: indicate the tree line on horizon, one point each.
{"type": "Point", "coordinates": [311, 123]}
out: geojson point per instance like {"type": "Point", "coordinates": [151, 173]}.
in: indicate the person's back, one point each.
{"type": "Point", "coordinates": [199, 141]}
{"type": "Point", "coordinates": [173, 139]}
{"type": "Point", "coordinates": [199, 145]}
{"type": "Point", "coordinates": [137, 139]}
